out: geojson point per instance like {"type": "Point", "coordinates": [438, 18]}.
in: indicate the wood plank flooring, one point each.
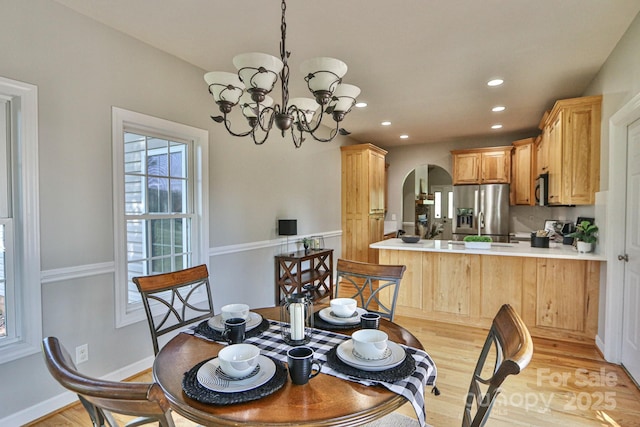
{"type": "Point", "coordinates": [564, 385]}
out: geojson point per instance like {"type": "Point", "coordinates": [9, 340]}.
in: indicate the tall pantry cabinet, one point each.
{"type": "Point", "coordinates": [363, 200]}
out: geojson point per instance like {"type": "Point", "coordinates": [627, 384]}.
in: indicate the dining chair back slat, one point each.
{"type": "Point", "coordinates": [175, 299]}
{"type": "Point", "coordinates": [510, 339]}
{"type": "Point", "coordinates": [368, 281]}
{"type": "Point", "coordinates": [145, 401]}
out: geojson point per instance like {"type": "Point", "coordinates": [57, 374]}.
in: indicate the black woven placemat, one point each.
{"type": "Point", "coordinates": [208, 332]}
{"type": "Point", "coordinates": [320, 323]}
{"type": "Point", "coordinates": [196, 391]}
{"type": "Point", "coordinates": [403, 370]}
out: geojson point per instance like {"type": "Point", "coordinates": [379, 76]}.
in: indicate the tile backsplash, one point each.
{"type": "Point", "coordinates": [531, 218]}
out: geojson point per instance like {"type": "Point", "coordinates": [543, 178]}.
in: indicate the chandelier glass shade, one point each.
{"type": "Point", "coordinates": [257, 76]}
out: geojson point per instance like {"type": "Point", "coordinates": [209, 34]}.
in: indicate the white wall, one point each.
{"type": "Point", "coordinates": [618, 81]}
{"type": "Point", "coordinates": [82, 69]}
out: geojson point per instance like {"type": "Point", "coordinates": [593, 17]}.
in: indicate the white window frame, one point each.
{"type": "Point", "coordinates": [25, 335]}
{"type": "Point", "coordinates": [122, 120]}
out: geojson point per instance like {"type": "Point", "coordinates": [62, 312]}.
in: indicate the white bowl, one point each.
{"type": "Point", "coordinates": [230, 311]}
{"type": "Point", "coordinates": [370, 343]}
{"type": "Point", "coordinates": [238, 360]}
{"type": "Point", "coordinates": [343, 307]}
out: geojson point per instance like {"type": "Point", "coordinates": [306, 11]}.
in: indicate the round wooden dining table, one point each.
{"type": "Point", "coordinates": [324, 401]}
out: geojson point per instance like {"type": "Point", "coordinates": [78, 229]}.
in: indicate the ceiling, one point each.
{"type": "Point", "coordinates": [421, 64]}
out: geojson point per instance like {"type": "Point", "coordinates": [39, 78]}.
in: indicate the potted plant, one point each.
{"type": "Point", "coordinates": [477, 242]}
{"type": "Point", "coordinates": [586, 235]}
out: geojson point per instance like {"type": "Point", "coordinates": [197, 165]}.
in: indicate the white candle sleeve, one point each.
{"type": "Point", "coordinates": [296, 314]}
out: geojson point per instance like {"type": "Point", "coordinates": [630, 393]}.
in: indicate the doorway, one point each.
{"type": "Point", "coordinates": [621, 294]}
{"type": "Point", "coordinates": [427, 202]}
{"type": "Point", "coordinates": [631, 305]}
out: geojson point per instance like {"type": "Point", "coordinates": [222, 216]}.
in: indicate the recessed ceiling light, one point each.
{"type": "Point", "coordinates": [496, 126]}
{"type": "Point", "coordinates": [498, 108]}
{"type": "Point", "coordinates": [495, 82]}
{"type": "Point", "coordinates": [361, 104]}
{"type": "Point", "coordinates": [404, 136]}
{"type": "Point", "coordinates": [386, 123]}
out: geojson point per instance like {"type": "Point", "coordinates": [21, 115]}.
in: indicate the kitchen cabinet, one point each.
{"type": "Point", "coordinates": [556, 298]}
{"type": "Point", "coordinates": [453, 278]}
{"type": "Point", "coordinates": [542, 148]}
{"type": "Point", "coordinates": [572, 129]}
{"type": "Point", "coordinates": [566, 296]}
{"type": "Point", "coordinates": [363, 200]}
{"type": "Point", "coordinates": [490, 165]}
{"type": "Point", "coordinates": [523, 172]}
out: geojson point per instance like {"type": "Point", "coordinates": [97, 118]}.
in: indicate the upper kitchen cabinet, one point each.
{"type": "Point", "coordinates": [523, 174]}
{"type": "Point", "coordinates": [363, 200]}
{"type": "Point", "coordinates": [491, 165]}
{"type": "Point", "coordinates": [542, 148]}
{"type": "Point", "coordinates": [572, 132]}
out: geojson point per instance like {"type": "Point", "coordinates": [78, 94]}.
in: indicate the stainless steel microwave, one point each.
{"type": "Point", "coordinates": [542, 190]}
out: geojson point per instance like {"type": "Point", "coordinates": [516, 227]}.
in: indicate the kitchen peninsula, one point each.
{"type": "Point", "coordinates": [554, 289]}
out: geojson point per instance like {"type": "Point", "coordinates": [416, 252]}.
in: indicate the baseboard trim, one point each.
{"type": "Point", "coordinates": [600, 346]}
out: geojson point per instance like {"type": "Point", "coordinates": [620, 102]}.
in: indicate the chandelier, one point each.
{"type": "Point", "coordinates": [256, 78]}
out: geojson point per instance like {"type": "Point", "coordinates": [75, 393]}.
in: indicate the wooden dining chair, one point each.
{"type": "Point", "coordinates": [365, 281]}
{"type": "Point", "coordinates": [101, 398]}
{"type": "Point", "coordinates": [513, 351]}
{"type": "Point", "coordinates": [174, 295]}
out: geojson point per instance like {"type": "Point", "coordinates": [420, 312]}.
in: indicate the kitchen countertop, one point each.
{"type": "Point", "coordinates": [521, 249]}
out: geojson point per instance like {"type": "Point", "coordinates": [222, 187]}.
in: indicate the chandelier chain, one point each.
{"type": "Point", "coordinates": [284, 55]}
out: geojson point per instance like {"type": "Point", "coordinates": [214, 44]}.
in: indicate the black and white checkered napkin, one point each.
{"type": "Point", "coordinates": [412, 387]}
{"type": "Point", "coordinates": [322, 341]}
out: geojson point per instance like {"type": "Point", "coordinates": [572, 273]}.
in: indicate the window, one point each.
{"type": "Point", "coordinates": [160, 201]}
{"type": "Point", "coordinates": [20, 302]}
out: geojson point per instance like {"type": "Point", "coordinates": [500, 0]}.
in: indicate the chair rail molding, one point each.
{"type": "Point", "coordinates": [252, 246]}
{"type": "Point", "coordinates": [55, 275]}
{"type": "Point", "coordinates": [77, 272]}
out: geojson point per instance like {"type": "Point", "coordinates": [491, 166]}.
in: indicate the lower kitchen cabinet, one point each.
{"type": "Point", "coordinates": [557, 298]}
{"type": "Point", "coordinates": [567, 295]}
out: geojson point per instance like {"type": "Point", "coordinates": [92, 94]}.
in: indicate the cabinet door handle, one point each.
{"type": "Point", "coordinates": [624, 257]}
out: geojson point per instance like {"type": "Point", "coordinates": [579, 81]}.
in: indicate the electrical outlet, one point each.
{"type": "Point", "coordinates": [82, 353]}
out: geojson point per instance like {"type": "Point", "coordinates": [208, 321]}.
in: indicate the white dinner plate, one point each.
{"type": "Point", "coordinates": [345, 353]}
{"type": "Point", "coordinates": [327, 315]}
{"type": "Point", "coordinates": [253, 321]}
{"type": "Point", "coordinates": [208, 377]}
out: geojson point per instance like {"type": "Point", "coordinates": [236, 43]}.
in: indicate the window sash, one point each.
{"type": "Point", "coordinates": [131, 202]}
{"type": "Point", "coordinates": [19, 213]}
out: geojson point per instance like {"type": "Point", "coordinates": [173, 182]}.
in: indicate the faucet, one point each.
{"type": "Point", "coordinates": [480, 222]}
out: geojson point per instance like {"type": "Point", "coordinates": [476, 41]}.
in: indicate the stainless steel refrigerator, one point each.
{"type": "Point", "coordinates": [483, 206]}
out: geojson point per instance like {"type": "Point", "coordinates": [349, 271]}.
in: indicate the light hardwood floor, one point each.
{"type": "Point", "coordinates": [564, 385]}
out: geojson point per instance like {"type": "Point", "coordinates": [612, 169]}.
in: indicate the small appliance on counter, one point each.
{"type": "Point", "coordinates": [540, 239]}
{"type": "Point", "coordinates": [567, 228]}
